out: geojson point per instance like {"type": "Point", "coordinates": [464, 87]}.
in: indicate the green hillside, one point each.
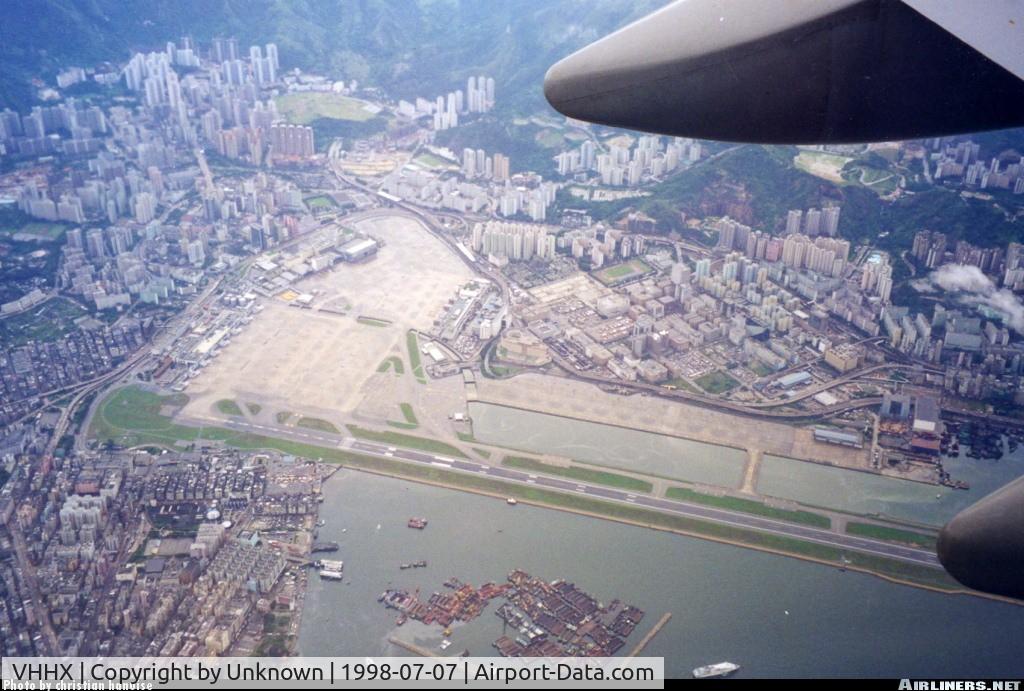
{"type": "Point", "coordinates": [409, 47]}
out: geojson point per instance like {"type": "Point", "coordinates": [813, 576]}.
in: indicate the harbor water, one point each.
{"type": "Point", "coordinates": [645, 452]}
{"type": "Point", "coordinates": [786, 478]}
{"type": "Point", "coordinates": [773, 615]}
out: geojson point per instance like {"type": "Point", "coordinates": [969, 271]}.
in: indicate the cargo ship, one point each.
{"type": "Point", "coordinates": [417, 523]}
{"type": "Point", "coordinates": [332, 570]}
{"type": "Point", "coordinates": [721, 669]}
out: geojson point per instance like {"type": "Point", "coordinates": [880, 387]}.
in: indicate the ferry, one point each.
{"type": "Point", "coordinates": [720, 669]}
{"type": "Point", "coordinates": [332, 570]}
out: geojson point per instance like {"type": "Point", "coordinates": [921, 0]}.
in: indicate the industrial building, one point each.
{"type": "Point", "coordinates": [795, 379]}
{"type": "Point", "coordinates": [927, 427]}
{"type": "Point", "coordinates": [831, 435]}
{"type": "Point", "coordinates": [359, 249]}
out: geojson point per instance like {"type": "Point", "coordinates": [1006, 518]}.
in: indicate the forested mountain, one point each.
{"type": "Point", "coordinates": [406, 46]}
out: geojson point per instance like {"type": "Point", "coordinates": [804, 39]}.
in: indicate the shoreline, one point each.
{"type": "Point", "coordinates": [303, 583]}
{"type": "Point", "coordinates": [888, 474]}
{"type": "Point", "coordinates": [893, 570]}
{"type": "Point", "coordinates": [721, 443]}
{"type": "Point", "coordinates": [697, 535]}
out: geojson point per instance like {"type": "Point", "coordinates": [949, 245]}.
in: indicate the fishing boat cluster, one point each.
{"type": "Point", "coordinates": [547, 619]}
{"type": "Point", "coordinates": [984, 441]}
{"type": "Point", "coordinates": [462, 602]}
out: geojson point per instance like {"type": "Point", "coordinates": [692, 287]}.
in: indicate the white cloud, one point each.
{"type": "Point", "coordinates": [974, 287]}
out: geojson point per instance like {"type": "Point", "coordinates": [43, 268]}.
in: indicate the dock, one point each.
{"type": "Point", "coordinates": [411, 647]}
{"type": "Point", "coordinates": [651, 634]}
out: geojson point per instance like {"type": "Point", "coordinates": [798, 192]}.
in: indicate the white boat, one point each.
{"type": "Point", "coordinates": [332, 570]}
{"type": "Point", "coordinates": [720, 669]}
{"type": "Point", "coordinates": [511, 501]}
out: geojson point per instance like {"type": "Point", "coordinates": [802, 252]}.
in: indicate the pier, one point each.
{"type": "Point", "coordinates": [651, 634]}
{"type": "Point", "coordinates": [411, 647]}
{"type": "Point", "coordinates": [752, 471]}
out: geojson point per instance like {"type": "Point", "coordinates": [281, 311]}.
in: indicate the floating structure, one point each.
{"type": "Point", "coordinates": [548, 619]}
{"type": "Point", "coordinates": [558, 619]}
{"type": "Point", "coordinates": [332, 570]}
{"type": "Point", "coordinates": [465, 603]}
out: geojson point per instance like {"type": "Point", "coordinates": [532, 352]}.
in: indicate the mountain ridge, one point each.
{"type": "Point", "coordinates": [406, 47]}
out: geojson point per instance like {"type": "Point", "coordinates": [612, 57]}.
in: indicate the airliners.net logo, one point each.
{"type": "Point", "coordinates": [959, 685]}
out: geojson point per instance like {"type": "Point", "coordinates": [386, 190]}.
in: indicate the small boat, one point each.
{"type": "Point", "coordinates": [444, 644]}
{"type": "Point", "coordinates": [720, 669]}
{"type": "Point", "coordinates": [332, 570]}
{"type": "Point", "coordinates": [417, 523]}
{"type": "Point", "coordinates": [511, 501]}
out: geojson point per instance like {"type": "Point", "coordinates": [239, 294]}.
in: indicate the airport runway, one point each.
{"type": "Point", "coordinates": [921, 557]}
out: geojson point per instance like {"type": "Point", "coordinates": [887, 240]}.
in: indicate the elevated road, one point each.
{"type": "Point", "coordinates": [766, 412]}
{"type": "Point", "coordinates": [762, 410]}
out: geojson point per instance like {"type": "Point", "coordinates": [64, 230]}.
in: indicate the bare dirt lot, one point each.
{"type": "Point", "coordinates": [304, 360]}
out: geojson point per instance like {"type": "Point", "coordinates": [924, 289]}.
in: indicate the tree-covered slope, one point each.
{"type": "Point", "coordinates": [407, 46]}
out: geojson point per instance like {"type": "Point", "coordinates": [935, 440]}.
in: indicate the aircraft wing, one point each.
{"type": "Point", "coordinates": [823, 71]}
{"type": "Point", "coordinates": [983, 546]}
{"type": "Point", "coordinates": [994, 28]}
{"type": "Point", "coordinates": [803, 71]}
